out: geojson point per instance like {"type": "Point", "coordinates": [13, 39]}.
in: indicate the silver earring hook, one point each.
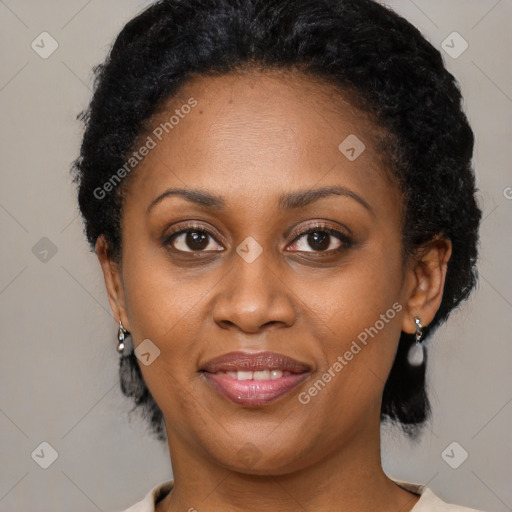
{"type": "Point", "coordinates": [416, 354]}
{"type": "Point", "coordinates": [419, 329]}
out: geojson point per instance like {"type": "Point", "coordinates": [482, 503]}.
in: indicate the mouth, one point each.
{"type": "Point", "coordinates": [254, 379]}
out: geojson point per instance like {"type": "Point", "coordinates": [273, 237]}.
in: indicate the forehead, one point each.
{"type": "Point", "coordinates": [260, 131]}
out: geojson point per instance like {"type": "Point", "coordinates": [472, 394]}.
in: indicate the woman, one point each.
{"type": "Point", "coordinates": [281, 198]}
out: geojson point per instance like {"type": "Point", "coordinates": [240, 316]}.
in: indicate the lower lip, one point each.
{"type": "Point", "coordinates": [254, 392]}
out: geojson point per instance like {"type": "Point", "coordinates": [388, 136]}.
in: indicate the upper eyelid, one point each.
{"type": "Point", "coordinates": [294, 233]}
{"type": "Point", "coordinates": [319, 226]}
{"type": "Point", "coordinates": [192, 227]}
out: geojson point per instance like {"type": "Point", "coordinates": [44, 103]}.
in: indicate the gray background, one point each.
{"type": "Point", "coordinates": [59, 365]}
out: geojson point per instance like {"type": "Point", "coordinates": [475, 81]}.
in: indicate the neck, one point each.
{"type": "Point", "coordinates": [348, 479]}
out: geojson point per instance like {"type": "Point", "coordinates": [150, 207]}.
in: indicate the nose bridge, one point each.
{"type": "Point", "coordinates": [251, 274]}
{"type": "Point", "coordinates": [252, 295]}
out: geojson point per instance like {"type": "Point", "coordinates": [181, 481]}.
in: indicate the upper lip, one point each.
{"type": "Point", "coordinates": [247, 361]}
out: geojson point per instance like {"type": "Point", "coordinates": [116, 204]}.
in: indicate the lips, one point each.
{"type": "Point", "coordinates": [254, 379]}
{"type": "Point", "coordinates": [235, 361]}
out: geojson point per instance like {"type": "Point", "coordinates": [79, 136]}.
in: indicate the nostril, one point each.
{"type": "Point", "coordinates": [226, 324]}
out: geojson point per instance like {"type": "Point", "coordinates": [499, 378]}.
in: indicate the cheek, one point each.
{"type": "Point", "coordinates": [158, 296]}
{"type": "Point", "coordinates": [160, 308]}
{"type": "Point", "coordinates": [355, 296]}
{"type": "Point", "coordinates": [360, 311]}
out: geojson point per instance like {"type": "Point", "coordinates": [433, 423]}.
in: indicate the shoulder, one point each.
{"type": "Point", "coordinates": [152, 498]}
{"type": "Point", "coordinates": [428, 501]}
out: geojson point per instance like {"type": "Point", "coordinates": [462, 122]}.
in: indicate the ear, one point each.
{"type": "Point", "coordinates": [425, 280]}
{"type": "Point", "coordinates": [113, 281]}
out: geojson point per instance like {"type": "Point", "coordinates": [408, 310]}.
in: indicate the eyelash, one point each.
{"type": "Point", "coordinates": [345, 239]}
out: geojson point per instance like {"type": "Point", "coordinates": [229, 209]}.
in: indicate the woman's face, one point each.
{"type": "Point", "coordinates": [248, 278]}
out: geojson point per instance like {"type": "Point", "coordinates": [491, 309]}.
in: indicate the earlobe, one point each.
{"type": "Point", "coordinates": [113, 282]}
{"type": "Point", "coordinates": [427, 276]}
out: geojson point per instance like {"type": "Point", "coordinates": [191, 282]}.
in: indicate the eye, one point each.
{"type": "Point", "coordinates": [193, 238]}
{"type": "Point", "coordinates": [321, 238]}
{"type": "Point", "coordinates": [317, 239]}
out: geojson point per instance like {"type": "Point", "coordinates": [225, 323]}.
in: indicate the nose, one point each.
{"type": "Point", "coordinates": [253, 296]}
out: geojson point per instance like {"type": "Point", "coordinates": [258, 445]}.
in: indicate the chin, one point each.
{"type": "Point", "coordinates": [260, 458]}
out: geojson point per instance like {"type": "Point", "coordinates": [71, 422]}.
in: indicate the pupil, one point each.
{"type": "Point", "coordinates": [196, 240]}
{"type": "Point", "coordinates": [319, 240]}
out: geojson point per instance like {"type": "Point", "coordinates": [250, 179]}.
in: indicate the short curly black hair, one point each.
{"type": "Point", "coordinates": [360, 47]}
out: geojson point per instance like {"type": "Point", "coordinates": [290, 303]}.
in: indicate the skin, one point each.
{"type": "Point", "coordinates": [251, 138]}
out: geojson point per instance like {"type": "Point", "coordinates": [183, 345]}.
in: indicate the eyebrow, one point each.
{"type": "Point", "coordinates": [292, 200]}
{"type": "Point", "coordinates": [302, 198]}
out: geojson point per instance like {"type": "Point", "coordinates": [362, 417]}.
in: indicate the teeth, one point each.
{"type": "Point", "coordinates": [256, 375]}
{"type": "Point", "coordinates": [261, 375]}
